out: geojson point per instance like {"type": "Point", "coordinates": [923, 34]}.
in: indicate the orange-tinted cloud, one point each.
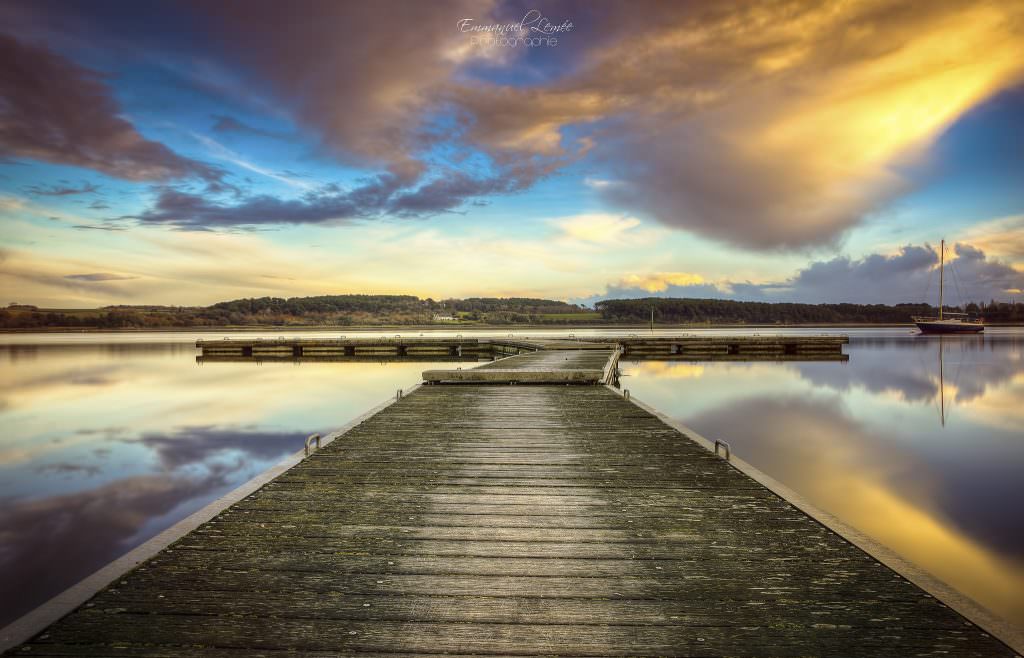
{"type": "Point", "coordinates": [767, 125]}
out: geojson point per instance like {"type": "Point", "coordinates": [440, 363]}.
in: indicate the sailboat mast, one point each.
{"type": "Point", "coordinates": [942, 262]}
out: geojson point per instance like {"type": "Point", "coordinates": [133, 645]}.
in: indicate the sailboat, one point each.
{"type": "Point", "coordinates": [947, 323]}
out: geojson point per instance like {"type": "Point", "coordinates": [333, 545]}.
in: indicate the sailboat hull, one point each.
{"type": "Point", "coordinates": [949, 327]}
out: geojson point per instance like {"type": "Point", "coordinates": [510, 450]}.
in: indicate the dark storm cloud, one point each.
{"type": "Point", "coordinates": [62, 189]}
{"type": "Point", "coordinates": [57, 111]}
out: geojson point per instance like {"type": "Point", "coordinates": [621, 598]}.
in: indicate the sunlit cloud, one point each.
{"type": "Point", "coordinates": [660, 281]}
{"type": "Point", "coordinates": [627, 156]}
{"type": "Point", "coordinates": [601, 228]}
{"type": "Point", "coordinates": [766, 125]}
{"type": "Point", "coordinates": [1002, 237]}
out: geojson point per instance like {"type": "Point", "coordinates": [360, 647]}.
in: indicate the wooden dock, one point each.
{"type": "Point", "coordinates": [513, 520]}
{"type": "Point", "coordinates": [549, 366]}
{"type": "Point", "coordinates": [632, 346]}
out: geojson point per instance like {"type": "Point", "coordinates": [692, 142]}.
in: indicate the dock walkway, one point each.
{"type": "Point", "coordinates": [549, 366]}
{"type": "Point", "coordinates": [513, 520]}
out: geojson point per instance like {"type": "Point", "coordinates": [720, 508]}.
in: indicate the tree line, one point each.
{"type": "Point", "coordinates": [370, 310]}
{"type": "Point", "coordinates": [724, 311]}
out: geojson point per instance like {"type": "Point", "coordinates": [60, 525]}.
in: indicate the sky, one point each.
{"type": "Point", "coordinates": [185, 153]}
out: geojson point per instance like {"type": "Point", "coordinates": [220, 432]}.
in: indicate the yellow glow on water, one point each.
{"type": "Point", "coordinates": [670, 370]}
{"type": "Point", "coordinates": [866, 445]}
{"type": "Point", "coordinates": [999, 407]}
{"type": "Point", "coordinates": [69, 390]}
{"type": "Point", "coordinates": [927, 541]}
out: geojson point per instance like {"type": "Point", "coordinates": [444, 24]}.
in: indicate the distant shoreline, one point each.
{"type": "Point", "coordinates": [506, 328]}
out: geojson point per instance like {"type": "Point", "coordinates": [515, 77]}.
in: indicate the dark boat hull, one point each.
{"type": "Point", "coordinates": [950, 327]}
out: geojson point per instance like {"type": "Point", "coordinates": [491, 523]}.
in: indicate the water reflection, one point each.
{"type": "Point", "coordinates": [926, 458]}
{"type": "Point", "coordinates": [104, 445]}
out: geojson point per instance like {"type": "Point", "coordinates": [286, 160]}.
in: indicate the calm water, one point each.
{"type": "Point", "coordinates": [109, 438]}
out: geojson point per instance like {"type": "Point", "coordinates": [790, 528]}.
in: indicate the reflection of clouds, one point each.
{"type": "Point", "coordinates": [671, 369]}
{"type": "Point", "coordinates": [791, 437]}
{"type": "Point", "coordinates": [910, 368]}
{"type": "Point", "coordinates": [67, 468]}
{"type": "Point", "coordinates": [25, 383]}
{"type": "Point", "coordinates": [1001, 408]}
{"type": "Point", "coordinates": [104, 522]}
{"type": "Point", "coordinates": [876, 375]}
{"type": "Point", "coordinates": [947, 510]}
{"type": "Point", "coordinates": [192, 446]}
{"type": "Point", "coordinates": [49, 543]}
{"type": "Point", "coordinates": [119, 413]}
{"type": "Point", "coordinates": [154, 382]}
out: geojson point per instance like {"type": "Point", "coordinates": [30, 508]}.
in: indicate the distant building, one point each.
{"type": "Point", "coordinates": [439, 317]}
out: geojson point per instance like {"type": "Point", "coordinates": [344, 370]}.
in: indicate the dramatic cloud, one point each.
{"type": "Point", "coordinates": [909, 276]}
{"type": "Point", "coordinates": [57, 111]}
{"type": "Point", "coordinates": [771, 125]}
{"type": "Point", "coordinates": [1003, 237]}
{"type": "Point", "coordinates": [393, 193]}
{"type": "Point", "coordinates": [372, 99]}
{"type": "Point", "coordinates": [762, 125]}
{"type": "Point", "coordinates": [361, 74]}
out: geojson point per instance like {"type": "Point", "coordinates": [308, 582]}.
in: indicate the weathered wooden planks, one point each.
{"type": "Point", "coordinates": [563, 366]}
{"type": "Point", "coordinates": [507, 520]}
